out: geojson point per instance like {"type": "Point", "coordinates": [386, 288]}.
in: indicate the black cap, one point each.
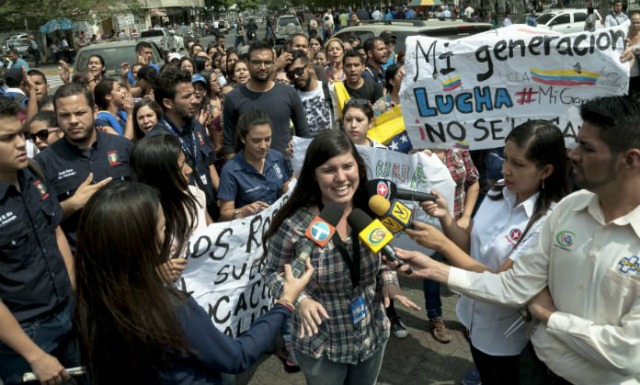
{"type": "Point", "coordinates": [13, 77]}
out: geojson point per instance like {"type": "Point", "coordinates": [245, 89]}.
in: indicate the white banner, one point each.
{"type": "Point", "coordinates": [471, 92]}
{"type": "Point", "coordinates": [222, 273]}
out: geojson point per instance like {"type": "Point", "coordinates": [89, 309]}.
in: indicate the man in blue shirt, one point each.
{"type": "Point", "coordinates": [15, 61]}
{"type": "Point", "coordinates": [174, 92]}
{"type": "Point", "coordinates": [86, 159]}
{"type": "Point", "coordinates": [36, 266]}
{"type": "Point", "coordinates": [144, 54]}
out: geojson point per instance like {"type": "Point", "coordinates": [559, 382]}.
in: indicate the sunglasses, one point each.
{"type": "Point", "coordinates": [295, 73]}
{"type": "Point", "coordinates": [42, 134]}
{"type": "Point", "coordinates": [356, 102]}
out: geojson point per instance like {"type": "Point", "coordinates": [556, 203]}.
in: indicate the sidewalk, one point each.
{"type": "Point", "coordinates": [416, 360]}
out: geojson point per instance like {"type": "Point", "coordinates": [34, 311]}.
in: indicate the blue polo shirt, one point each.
{"type": "Point", "coordinates": [118, 122]}
{"type": "Point", "coordinates": [66, 167]}
{"type": "Point", "coordinates": [242, 183]}
{"type": "Point", "coordinates": [34, 281]}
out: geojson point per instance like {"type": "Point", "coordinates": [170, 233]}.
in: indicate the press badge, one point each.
{"type": "Point", "coordinates": [358, 310]}
{"type": "Point", "coordinates": [203, 178]}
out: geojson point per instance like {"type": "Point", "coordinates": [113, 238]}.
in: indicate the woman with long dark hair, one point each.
{"type": "Point", "coordinates": [535, 178]}
{"type": "Point", "coordinates": [130, 323]}
{"type": "Point", "coordinates": [116, 107]}
{"type": "Point", "coordinates": [159, 162]}
{"type": "Point", "coordinates": [328, 342]}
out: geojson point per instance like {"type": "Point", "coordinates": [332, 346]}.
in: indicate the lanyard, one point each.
{"type": "Point", "coordinates": [352, 260]}
{"type": "Point", "coordinates": [184, 144]}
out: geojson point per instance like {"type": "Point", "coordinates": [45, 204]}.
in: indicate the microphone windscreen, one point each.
{"type": "Point", "coordinates": [379, 205]}
{"type": "Point", "coordinates": [331, 213]}
{"type": "Point", "coordinates": [358, 220]}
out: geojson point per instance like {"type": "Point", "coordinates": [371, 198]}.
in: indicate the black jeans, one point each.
{"type": "Point", "coordinates": [496, 370]}
{"type": "Point", "coordinates": [535, 372]}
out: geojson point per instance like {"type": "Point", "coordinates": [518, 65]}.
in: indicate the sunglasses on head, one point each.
{"type": "Point", "coordinates": [42, 134]}
{"type": "Point", "coordinates": [295, 73]}
{"type": "Point", "coordinates": [356, 102]}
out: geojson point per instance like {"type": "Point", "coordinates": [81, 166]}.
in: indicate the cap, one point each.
{"type": "Point", "coordinates": [198, 78]}
{"type": "Point", "coordinates": [174, 56]}
{"type": "Point", "coordinates": [13, 77]}
{"type": "Point", "coordinates": [388, 36]}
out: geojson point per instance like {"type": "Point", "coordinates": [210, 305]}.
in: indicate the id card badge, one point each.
{"type": "Point", "coordinates": [358, 310]}
{"type": "Point", "coordinates": [203, 178]}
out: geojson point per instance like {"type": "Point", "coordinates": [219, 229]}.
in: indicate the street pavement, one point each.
{"type": "Point", "coordinates": [416, 360]}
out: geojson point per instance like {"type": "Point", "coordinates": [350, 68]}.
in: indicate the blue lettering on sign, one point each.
{"type": "Point", "coordinates": [320, 231]}
{"type": "Point", "coordinates": [479, 100]}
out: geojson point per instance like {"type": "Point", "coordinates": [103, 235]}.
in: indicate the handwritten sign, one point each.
{"type": "Point", "coordinates": [471, 92]}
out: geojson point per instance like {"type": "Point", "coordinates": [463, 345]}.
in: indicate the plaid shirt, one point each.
{"type": "Point", "coordinates": [464, 174]}
{"type": "Point", "coordinates": [338, 338]}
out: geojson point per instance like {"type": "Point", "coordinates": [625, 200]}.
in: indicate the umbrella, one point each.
{"type": "Point", "coordinates": [57, 24]}
{"type": "Point", "coordinates": [424, 3]}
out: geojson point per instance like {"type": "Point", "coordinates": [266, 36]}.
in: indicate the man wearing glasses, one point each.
{"type": "Point", "coordinates": [279, 101]}
{"type": "Point", "coordinates": [315, 95]}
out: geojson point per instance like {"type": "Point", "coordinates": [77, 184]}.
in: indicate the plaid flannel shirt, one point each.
{"type": "Point", "coordinates": [464, 174]}
{"type": "Point", "coordinates": [338, 338]}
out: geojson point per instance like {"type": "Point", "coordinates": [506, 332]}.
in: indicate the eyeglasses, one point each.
{"type": "Point", "coordinates": [266, 63]}
{"type": "Point", "coordinates": [356, 102]}
{"type": "Point", "coordinates": [295, 73]}
{"type": "Point", "coordinates": [42, 134]}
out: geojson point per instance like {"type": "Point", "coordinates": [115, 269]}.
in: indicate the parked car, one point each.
{"type": "Point", "coordinates": [286, 26]}
{"type": "Point", "coordinates": [567, 20]}
{"type": "Point", "coordinates": [159, 36]}
{"type": "Point", "coordinates": [403, 28]}
{"type": "Point", "coordinates": [114, 54]}
{"type": "Point", "coordinates": [187, 32]}
{"type": "Point", "coordinates": [19, 42]}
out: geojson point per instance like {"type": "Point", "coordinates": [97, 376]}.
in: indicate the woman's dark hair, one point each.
{"type": "Point", "coordinates": [104, 66]}
{"type": "Point", "coordinates": [102, 90]}
{"type": "Point", "coordinates": [230, 51]}
{"type": "Point", "coordinates": [326, 145]}
{"type": "Point", "coordinates": [154, 162]}
{"type": "Point", "coordinates": [144, 103]}
{"type": "Point", "coordinates": [544, 145]}
{"type": "Point", "coordinates": [186, 58]}
{"type": "Point", "coordinates": [318, 39]}
{"type": "Point", "coordinates": [360, 104]}
{"type": "Point", "coordinates": [232, 69]}
{"type": "Point", "coordinates": [49, 117]}
{"type": "Point", "coordinates": [246, 121]}
{"type": "Point", "coordinates": [149, 74]}
{"type": "Point", "coordinates": [124, 313]}
{"type": "Point", "coordinates": [389, 74]}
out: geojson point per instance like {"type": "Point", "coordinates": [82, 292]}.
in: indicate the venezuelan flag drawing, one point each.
{"type": "Point", "coordinates": [451, 84]}
{"type": "Point", "coordinates": [461, 145]}
{"type": "Point", "coordinates": [564, 77]}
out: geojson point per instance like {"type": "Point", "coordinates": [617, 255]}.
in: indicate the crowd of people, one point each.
{"type": "Point", "coordinates": [103, 183]}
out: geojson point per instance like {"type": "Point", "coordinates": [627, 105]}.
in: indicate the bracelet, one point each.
{"type": "Point", "coordinates": [286, 303]}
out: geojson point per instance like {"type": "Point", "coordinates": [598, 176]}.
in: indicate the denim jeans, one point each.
{"type": "Point", "coordinates": [53, 335]}
{"type": "Point", "coordinates": [431, 291]}
{"type": "Point", "coordinates": [322, 371]}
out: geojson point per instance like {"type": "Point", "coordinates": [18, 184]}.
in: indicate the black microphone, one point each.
{"type": "Point", "coordinates": [318, 233]}
{"type": "Point", "coordinates": [390, 191]}
{"type": "Point", "coordinates": [374, 234]}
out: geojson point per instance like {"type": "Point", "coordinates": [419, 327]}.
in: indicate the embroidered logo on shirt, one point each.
{"type": "Point", "coordinates": [7, 218]}
{"type": "Point", "coordinates": [277, 170]}
{"type": "Point", "coordinates": [200, 138]}
{"type": "Point", "coordinates": [565, 239]}
{"type": "Point", "coordinates": [629, 265]}
{"type": "Point", "coordinates": [42, 189]}
{"type": "Point", "coordinates": [113, 158]}
{"type": "Point", "coordinates": [513, 236]}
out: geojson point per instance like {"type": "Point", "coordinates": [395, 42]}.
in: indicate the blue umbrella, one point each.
{"type": "Point", "coordinates": [57, 24]}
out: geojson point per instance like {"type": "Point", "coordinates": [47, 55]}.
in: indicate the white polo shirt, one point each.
{"type": "Point", "coordinates": [497, 227]}
{"type": "Point", "coordinates": [592, 269]}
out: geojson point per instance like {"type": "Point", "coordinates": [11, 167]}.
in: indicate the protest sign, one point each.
{"type": "Point", "coordinates": [471, 92]}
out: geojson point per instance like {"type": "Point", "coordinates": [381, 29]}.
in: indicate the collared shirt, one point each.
{"type": "Point", "coordinates": [499, 224]}
{"type": "Point", "coordinates": [66, 167]}
{"type": "Point", "coordinates": [242, 183]}
{"type": "Point", "coordinates": [198, 151]}
{"type": "Point", "coordinates": [614, 20]}
{"type": "Point", "coordinates": [33, 277]}
{"type": "Point", "coordinates": [338, 338]}
{"type": "Point", "coordinates": [592, 270]}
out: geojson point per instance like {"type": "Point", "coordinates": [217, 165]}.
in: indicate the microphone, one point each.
{"type": "Point", "coordinates": [394, 215]}
{"type": "Point", "coordinates": [389, 191]}
{"type": "Point", "coordinates": [318, 233]}
{"type": "Point", "coordinates": [373, 233]}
